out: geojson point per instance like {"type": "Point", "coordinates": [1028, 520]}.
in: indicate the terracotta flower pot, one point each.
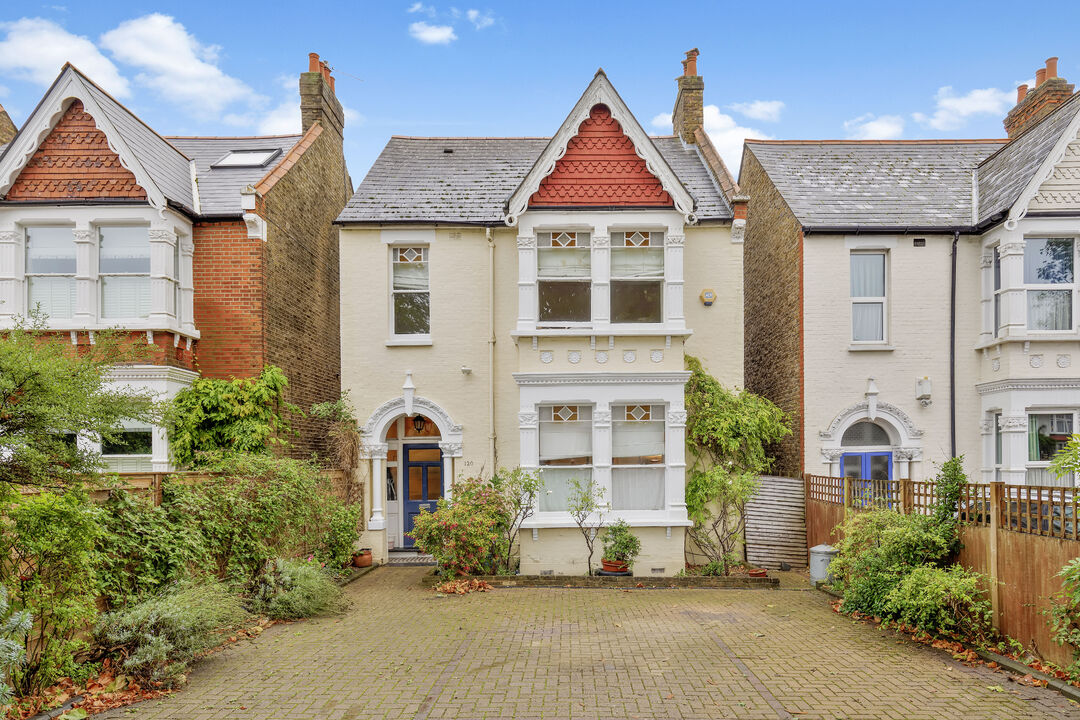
{"type": "Point", "coordinates": [614, 565]}
{"type": "Point", "coordinates": [362, 559]}
{"type": "Point", "coordinates": [759, 572]}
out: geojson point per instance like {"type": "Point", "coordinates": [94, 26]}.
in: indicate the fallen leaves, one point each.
{"type": "Point", "coordinates": [462, 587]}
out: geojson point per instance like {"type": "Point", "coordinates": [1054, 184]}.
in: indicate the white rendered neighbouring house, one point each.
{"type": "Point", "coordinates": [855, 251]}
{"type": "Point", "coordinates": [528, 301]}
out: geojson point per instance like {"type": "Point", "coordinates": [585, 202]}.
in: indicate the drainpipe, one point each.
{"type": "Point", "coordinates": [952, 348]}
{"type": "Point", "coordinates": [491, 349]}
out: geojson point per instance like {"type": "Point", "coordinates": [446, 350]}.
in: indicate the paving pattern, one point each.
{"type": "Point", "coordinates": [403, 652]}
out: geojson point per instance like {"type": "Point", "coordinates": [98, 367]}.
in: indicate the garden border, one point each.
{"type": "Point", "coordinates": [618, 582]}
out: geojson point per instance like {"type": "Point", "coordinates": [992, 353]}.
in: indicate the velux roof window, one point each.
{"type": "Point", "coordinates": [247, 158]}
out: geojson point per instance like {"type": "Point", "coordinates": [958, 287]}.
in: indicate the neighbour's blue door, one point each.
{"type": "Point", "coordinates": [867, 465]}
{"type": "Point", "coordinates": [421, 483]}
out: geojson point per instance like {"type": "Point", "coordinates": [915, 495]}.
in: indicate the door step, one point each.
{"type": "Point", "coordinates": [408, 556]}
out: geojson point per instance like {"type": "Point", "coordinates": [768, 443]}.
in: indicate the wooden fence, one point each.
{"type": "Point", "coordinates": [776, 523]}
{"type": "Point", "coordinates": [1019, 536]}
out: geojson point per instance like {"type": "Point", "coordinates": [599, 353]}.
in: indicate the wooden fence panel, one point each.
{"type": "Point", "coordinates": [776, 523]}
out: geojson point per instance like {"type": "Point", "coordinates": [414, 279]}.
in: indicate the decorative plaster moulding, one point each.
{"type": "Point", "coordinates": [600, 378]}
{"type": "Point", "coordinates": [1036, 384]}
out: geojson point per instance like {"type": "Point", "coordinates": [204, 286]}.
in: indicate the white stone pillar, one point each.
{"type": "Point", "coordinates": [1013, 300]}
{"type": "Point", "coordinates": [673, 280]}
{"type": "Point", "coordinates": [449, 451]}
{"type": "Point", "coordinates": [159, 457]}
{"type": "Point", "coordinates": [378, 486]}
{"type": "Point", "coordinates": [162, 248]}
{"type": "Point", "coordinates": [675, 455]}
{"type": "Point", "coordinates": [87, 296]}
{"type": "Point", "coordinates": [600, 261]}
{"type": "Point", "coordinates": [187, 284]}
{"type": "Point", "coordinates": [986, 430]}
{"type": "Point", "coordinates": [11, 275]}
{"type": "Point", "coordinates": [529, 449]}
{"type": "Point", "coordinates": [601, 451]}
{"type": "Point", "coordinates": [527, 297]}
{"type": "Point", "coordinates": [1014, 447]}
{"type": "Point", "coordinates": [986, 275]}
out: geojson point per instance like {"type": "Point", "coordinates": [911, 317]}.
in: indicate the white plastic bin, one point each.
{"type": "Point", "coordinates": [821, 556]}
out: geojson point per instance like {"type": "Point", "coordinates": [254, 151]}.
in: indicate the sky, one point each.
{"type": "Point", "coordinates": [772, 70]}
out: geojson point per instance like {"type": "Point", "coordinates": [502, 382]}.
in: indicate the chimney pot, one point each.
{"type": "Point", "coordinates": [1021, 93]}
{"type": "Point", "coordinates": [690, 63]}
{"type": "Point", "coordinates": [1051, 68]}
{"type": "Point", "coordinates": [1040, 76]}
{"type": "Point", "coordinates": [313, 62]}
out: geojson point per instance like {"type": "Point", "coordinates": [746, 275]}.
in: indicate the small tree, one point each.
{"type": "Point", "coordinates": [243, 415]}
{"type": "Point", "coordinates": [587, 508]}
{"type": "Point", "coordinates": [52, 392]}
{"type": "Point", "coordinates": [1066, 463]}
{"type": "Point", "coordinates": [518, 490]}
{"type": "Point", "coordinates": [728, 435]}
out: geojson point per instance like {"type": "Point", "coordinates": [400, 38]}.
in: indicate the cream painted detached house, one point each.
{"type": "Point", "coordinates": [912, 300]}
{"type": "Point", "coordinates": [528, 301]}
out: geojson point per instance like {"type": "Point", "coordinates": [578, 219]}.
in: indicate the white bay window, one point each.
{"type": "Point", "coordinates": [1049, 283]}
{"type": "Point", "coordinates": [637, 277]}
{"type": "Point", "coordinates": [124, 272]}
{"type": "Point", "coordinates": [637, 457]}
{"type": "Point", "coordinates": [50, 271]}
{"type": "Point", "coordinates": [564, 277]}
{"type": "Point", "coordinates": [566, 452]}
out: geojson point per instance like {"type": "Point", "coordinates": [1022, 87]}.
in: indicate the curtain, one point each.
{"type": "Point", "coordinates": [555, 495]}
{"type": "Point", "coordinates": [868, 275]}
{"type": "Point", "coordinates": [637, 488]}
{"type": "Point", "coordinates": [565, 441]}
{"type": "Point", "coordinates": [867, 321]}
{"type": "Point", "coordinates": [634, 440]}
{"type": "Point", "coordinates": [1050, 309]}
{"type": "Point", "coordinates": [634, 262]}
{"type": "Point", "coordinates": [564, 262]}
{"type": "Point", "coordinates": [411, 276]}
{"type": "Point", "coordinates": [55, 295]}
{"type": "Point", "coordinates": [1033, 437]}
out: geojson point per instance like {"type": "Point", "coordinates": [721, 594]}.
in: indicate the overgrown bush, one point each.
{"type": "Point", "coordinates": [257, 508]}
{"type": "Point", "coordinates": [47, 558]}
{"type": "Point", "coordinates": [294, 589]}
{"type": "Point", "coordinates": [465, 533]}
{"type": "Point", "coordinates": [156, 638]}
{"type": "Point", "coordinates": [1064, 613]}
{"type": "Point", "coordinates": [950, 602]}
{"type": "Point", "coordinates": [949, 486]}
{"type": "Point", "coordinates": [878, 548]}
{"type": "Point", "coordinates": [339, 539]}
{"type": "Point", "coordinates": [13, 629]}
{"type": "Point", "coordinates": [143, 549]}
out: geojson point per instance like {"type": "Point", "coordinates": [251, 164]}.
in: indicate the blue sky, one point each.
{"type": "Point", "coordinates": [782, 70]}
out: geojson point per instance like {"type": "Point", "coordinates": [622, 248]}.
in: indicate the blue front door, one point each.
{"type": "Point", "coordinates": [867, 465]}
{"type": "Point", "coordinates": [421, 482]}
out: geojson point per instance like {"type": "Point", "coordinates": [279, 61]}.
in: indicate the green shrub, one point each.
{"type": "Point", "coordinates": [949, 485]}
{"type": "Point", "coordinates": [464, 534]}
{"type": "Point", "coordinates": [339, 540]}
{"type": "Point", "coordinates": [47, 558]}
{"type": "Point", "coordinates": [878, 549]}
{"type": "Point", "coordinates": [142, 549]}
{"type": "Point", "coordinates": [949, 602]}
{"type": "Point", "coordinates": [13, 629]}
{"type": "Point", "coordinates": [1063, 614]}
{"type": "Point", "coordinates": [621, 544]}
{"type": "Point", "coordinates": [293, 589]}
{"type": "Point", "coordinates": [155, 639]}
{"type": "Point", "coordinates": [257, 508]}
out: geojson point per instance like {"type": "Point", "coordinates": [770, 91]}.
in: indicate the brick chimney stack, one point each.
{"type": "Point", "coordinates": [689, 112]}
{"type": "Point", "coordinates": [7, 128]}
{"type": "Point", "coordinates": [1033, 104]}
{"type": "Point", "coordinates": [317, 98]}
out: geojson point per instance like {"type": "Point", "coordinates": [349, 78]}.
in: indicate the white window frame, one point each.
{"type": "Point", "coordinates": [1070, 287]}
{"type": "Point", "coordinates": [883, 300]}
{"type": "Point", "coordinates": [659, 281]}
{"type": "Point", "coordinates": [591, 466]}
{"type": "Point", "coordinates": [654, 409]}
{"type": "Point", "coordinates": [588, 280]}
{"type": "Point", "coordinates": [26, 231]}
{"type": "Point", "coordinates": [100, 278]}
{"type": "Point", "coordinates": [1042, 465]}
{"type": "Point", "coordinates": [412, 338]}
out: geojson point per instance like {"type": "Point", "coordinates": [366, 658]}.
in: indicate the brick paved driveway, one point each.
{"type": "Point", "coordinates": [401, 652]}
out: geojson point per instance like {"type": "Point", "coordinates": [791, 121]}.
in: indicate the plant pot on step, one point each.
{"type": "Point", "coordinates": [362, 558]}
{"type": "Point", "coordinates": [615, 566]}
{"type": "Point", "coordinates": [758, 572]}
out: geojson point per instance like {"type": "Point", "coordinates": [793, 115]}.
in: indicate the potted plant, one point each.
{"type": "Point", "coordinates": [621, 546]}
{"type": "Point", "coordinates": [362, 558]}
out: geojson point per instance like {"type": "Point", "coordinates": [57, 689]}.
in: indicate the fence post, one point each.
{"type": "Point", "coordinates": [997, 493]}
{"type": "Point", "coordinates": [907, 498]}
{"type": "Point", "coordinates": [847, 496]}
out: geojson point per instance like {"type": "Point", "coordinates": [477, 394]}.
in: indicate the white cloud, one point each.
{"type": "Point", "coordinates": [726, 134]}
{"type": "Point", "coordinates": [419, 7]}
{"type": "Point", "coordinates": [176, 65]}
{"type": "Point", "coordinates": [871, 127]}
{"type": "Point", "coordinates": [4, 91]}
{"type": "Point", "coordinates": [432, 34]}
{"type": "Point", "coordinates": [953, 111]}
{"type": "Point", "coordinates": [765, 110]}
{"type": "Point", "coordinates": [35, 49]}
{"type": "Point", "coordinates": [480, 20]}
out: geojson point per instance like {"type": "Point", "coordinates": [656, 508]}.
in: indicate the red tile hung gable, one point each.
{"type": "Point", "coordinates": [75, 162]}
{"type": "Point", "coordinates": [600, 168]}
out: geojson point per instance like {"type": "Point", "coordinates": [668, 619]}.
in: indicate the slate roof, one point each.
{"type": "Point", "coordinates": [416, 180]}
{"type": "Point", "coordinates": [879, 183]}
{"type": "Point", "coordinates": [1004, 175]}
{"type": "Point", "coordinates": [219, 188]}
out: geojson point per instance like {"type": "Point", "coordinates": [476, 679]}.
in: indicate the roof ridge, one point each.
{"type": "Point", "coordinates": [1030, 128]}
{"type": "Point", "coordinates": [231, 137]}
{"type": "Point", "coordinates": [931, 141]}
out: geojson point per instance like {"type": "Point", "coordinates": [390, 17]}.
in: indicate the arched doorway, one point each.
{"type": "Point", "coordinates": [872, 441]}
{"type": "Point", "coordinates": [867, 452]}
{"type": "Point", "coordinates": [414, 474]}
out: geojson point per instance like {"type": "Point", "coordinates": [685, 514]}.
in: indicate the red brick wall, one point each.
{"type": "Point", "coordinates": [600, 168]}
{"type": "Point", "coordinates": [229, 301]}
{"type": "Point", "coordinates": [75, 162]}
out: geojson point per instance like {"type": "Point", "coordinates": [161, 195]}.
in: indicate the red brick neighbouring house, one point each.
{"type": "Point", "coordinates": [220, 251]}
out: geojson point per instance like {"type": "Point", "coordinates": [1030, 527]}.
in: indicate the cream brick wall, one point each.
{"type": "Point", "coordinates": [563, 552]}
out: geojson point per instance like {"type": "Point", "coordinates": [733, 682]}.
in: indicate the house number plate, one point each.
{"type": "Point", "coordinates": [424, 506]}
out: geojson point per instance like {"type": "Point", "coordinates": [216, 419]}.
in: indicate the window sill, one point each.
{"type": "Point", "coordinates": [406, 341]}
{"type": "Point", "coordinates": [602, 331]}
{"type": "Point", "coordinates": [870, 348]}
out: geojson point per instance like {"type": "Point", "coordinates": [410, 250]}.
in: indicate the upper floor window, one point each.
{"type": "Point", "coordinates": [50, 270]}
{"type": "Point", "coordinates": [124, 271]}
{"type": "Point", "coordinates": [1049, 283]}
{"type": "Point", "coordinates": [565, 452]}
{"type": "Point", "coordinates": [868, 296]}
{"type": "Point", "coordinates": [411, 291]}
{"type": "Point", "coordinates": [637, 277]}
{"type": "Point", "coordinates": [564, 272]}
{"type": "Point", "coordinates": [637, 457]}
